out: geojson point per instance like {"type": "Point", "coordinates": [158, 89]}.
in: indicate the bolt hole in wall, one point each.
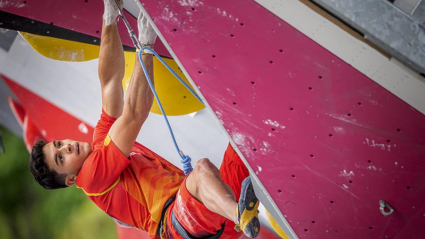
{"type": "Point", "coordinates": [387, 210]}
{"type": "Point", "coordinates": [332, 202]}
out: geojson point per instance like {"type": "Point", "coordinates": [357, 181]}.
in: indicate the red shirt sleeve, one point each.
{"type": "Point", "coordinates": [102, 129]}
{"type": "Point", "coordinates": [105, 164]}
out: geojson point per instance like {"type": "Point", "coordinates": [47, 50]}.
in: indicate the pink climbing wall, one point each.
{"type": "Point", "coordinates": [83, 16]}
{"type": "Point", "coordinates": [326, 141]}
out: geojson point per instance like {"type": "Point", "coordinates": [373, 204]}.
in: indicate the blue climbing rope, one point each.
{"type": "Point", "coordinates": [186, 160]}
{"type": "Point", "coordinates": [173, 72]}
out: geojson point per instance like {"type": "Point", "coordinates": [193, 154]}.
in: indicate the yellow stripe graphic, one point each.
{"type": "Point", "coordinates": [101, 193]}
{"type": "Point", "coordinates": [107, 140]}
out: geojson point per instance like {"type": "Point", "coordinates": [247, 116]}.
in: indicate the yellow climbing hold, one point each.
{"type": "Point", "coordinates": [276, 226]}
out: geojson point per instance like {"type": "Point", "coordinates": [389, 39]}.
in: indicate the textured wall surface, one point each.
{"type": "Point", "coordinates": [326, 141]}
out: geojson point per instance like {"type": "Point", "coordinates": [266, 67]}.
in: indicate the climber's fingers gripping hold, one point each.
{"type": "Point", "coordinates": [111, 12]}
{"type": "Point", "coordinates": [147, 34]}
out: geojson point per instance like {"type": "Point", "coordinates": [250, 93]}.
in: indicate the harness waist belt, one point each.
{"type": "Point", "coordinates": [161, 223]}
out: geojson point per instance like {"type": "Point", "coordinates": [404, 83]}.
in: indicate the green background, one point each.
{"type": "Point", "coordinates": [29, 211]}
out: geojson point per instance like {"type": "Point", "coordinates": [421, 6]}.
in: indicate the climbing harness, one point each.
{"type": "Point", "coordinates": [178, 227]}
{"type": "Point", "coordinates": [161, 226]}
{"type": "Point", "coordinates": [186, 160]}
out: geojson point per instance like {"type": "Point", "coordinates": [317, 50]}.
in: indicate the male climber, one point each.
{"type": "Point", "coordinates": [131, 183]}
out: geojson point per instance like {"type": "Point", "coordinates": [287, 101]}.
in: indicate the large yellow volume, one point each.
{"type": "Point", "coordinates": [175, 98]}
